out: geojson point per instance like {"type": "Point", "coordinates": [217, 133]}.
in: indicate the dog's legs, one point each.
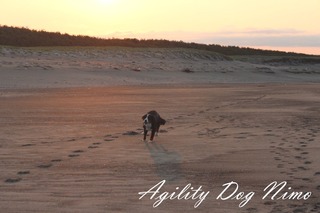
{"type": "Point", "coordinates": [157, 131]}
{"type": "Point", "coordinates": [145, 131]}
{"type": "Point", "coordinates": [152, 134]}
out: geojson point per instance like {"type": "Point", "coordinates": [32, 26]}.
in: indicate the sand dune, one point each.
{"type": "Point", "coordinates": [70, 124]}
{"type": "Point", "coordinates": [73, 67]}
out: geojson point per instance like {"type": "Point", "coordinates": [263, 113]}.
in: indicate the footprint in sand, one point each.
{"type": "Point", "coordinates": [192, 114]}
{"type": "Point", "coordinates": [299, 210]}
{"type": "Point", "coordinates": [28, 144]}
{"type": "Point", "coordinates": [277, 158]}
{"type": "Point", "coordinates": [307, 162]}
{"type": "Point", "coordinates": [23, 172]}
{"type": "Point", "coordinates": [306, 179]}
{"type": "Point", "coordinates": [78, 151]}
{"type": "Point", "coordinates": [92, 147]}
{"type": "Point", "coordinates": [45, 142]}
{"type": "Point", "coordinates": [252, 210]}
{"type": "Point", "coordinates": [131, 133]}
{"type": "Point", "coordinates": [73, 155]}
{"type": "Point", "coordinates": [45, 166]}
{"type": "Point", "coordinates": [302, 168]}
{"type": "Point", "coordinates": [109, 137]}
{"type": "Point", "coordinates": [280, 166]}
{"type": "Point", "coordinates": [13, 180]}
{"type": "Point", "coordinates": [316, 207]}
{"type": "Point", "coordinates": [269, 203]}
{"type": "Point", "coordinates": [56, 160]}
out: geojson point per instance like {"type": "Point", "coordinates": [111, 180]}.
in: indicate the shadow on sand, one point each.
{"type": "Point", "coordinates": [167, 163]}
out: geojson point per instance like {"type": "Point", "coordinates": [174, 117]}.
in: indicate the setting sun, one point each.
{"type": "Point", "coordinates": [105, 1]}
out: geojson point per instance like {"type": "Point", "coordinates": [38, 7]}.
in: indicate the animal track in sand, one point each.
{"type": "Point", "coordinates": [73, 155]}
{"type": "Point", "coordinates": [306, 179]}
{"type": "Point", "coordinates": [252, 210]}
{"type": "Point", "coordinates": [269, 203]}
{"type": "Point", "coordinates": [78, 151]}
{"type": "Point", "coordinates": [109, 137]}
{"type": "Point", "coordinates": [93, 147]}
{"type": "Point", "coordinates": [302, 168]}
{"type": "Point", "coordinates": [13, 180]}
{"type": "Point", "coordinates": [316, 207]}
{"type": "Point", "coordinates": [23, 172]}
{"type": "Point", "coordinates": [28, 144]}
{"type": "Point", "coordinates": [131, 133]}
{"type": "Point", "coordinates": [45, 166]}
{"type": "Point", "coordinates": [280, 166]}
{"type": "Point", "coordinates": [299, 210]}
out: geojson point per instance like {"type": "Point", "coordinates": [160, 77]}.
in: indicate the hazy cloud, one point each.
{"type": "Point", "coordinates": [246, 37]}
{"type": "Point", "coordinates": [263, 40]}
{"type": "Point", "coordinates": [253, 31]}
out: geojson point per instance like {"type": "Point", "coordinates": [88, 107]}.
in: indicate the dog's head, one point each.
{"type": "Point", "coordinates": [148, 120]}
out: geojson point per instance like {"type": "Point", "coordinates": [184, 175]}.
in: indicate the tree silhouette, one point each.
{"type": "Point", "coordinates": [24, 37]}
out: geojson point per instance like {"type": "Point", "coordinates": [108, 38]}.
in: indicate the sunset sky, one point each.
{"type": "Point", "coordinates": [290, 25]}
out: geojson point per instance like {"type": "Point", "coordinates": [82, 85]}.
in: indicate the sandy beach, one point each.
{"type": "Point", "coordinates": [71, 125]}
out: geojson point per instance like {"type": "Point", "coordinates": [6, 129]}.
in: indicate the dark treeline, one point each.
{"type": "Point", "coordinates": [24, 37]}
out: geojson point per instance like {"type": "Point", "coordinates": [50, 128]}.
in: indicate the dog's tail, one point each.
{"type": "Point", "coordinates": [162, 121]}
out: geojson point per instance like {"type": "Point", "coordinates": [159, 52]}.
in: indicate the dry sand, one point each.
{"type": "Point", "coordinates": [56, 67]}
{"type": "Point", "coordinates": [76, 146]}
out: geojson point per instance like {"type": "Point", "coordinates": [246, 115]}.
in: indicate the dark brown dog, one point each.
{"type": "Point", "coordinates": [152, 122]}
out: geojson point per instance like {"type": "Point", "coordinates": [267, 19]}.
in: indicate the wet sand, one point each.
{"type": "Point", "coordinates": [80, 149]}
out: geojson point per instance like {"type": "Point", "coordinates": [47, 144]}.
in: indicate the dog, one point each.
{"type": "Point", "coordinates": [152, 122]}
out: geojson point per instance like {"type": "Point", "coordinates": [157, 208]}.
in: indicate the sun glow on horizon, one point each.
{"type": "Point", "coordinates": [186, 20]}
{"type": "Point", "coordinates": [106, 1]}
{"type": "Point", "coordinates": [103, 3]}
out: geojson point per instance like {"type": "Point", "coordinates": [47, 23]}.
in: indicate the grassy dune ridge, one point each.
{"type": "Point", "coordinates": [24, 37]}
